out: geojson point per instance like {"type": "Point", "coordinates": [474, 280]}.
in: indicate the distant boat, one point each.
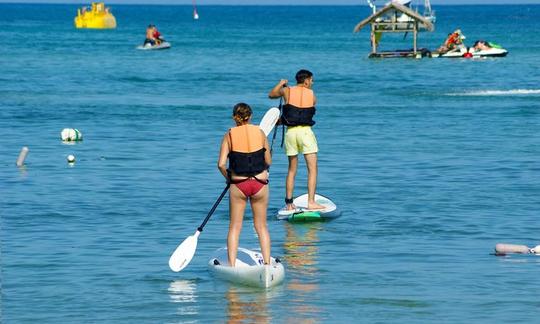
{"type": "Point", "coordinates": [195, 14]}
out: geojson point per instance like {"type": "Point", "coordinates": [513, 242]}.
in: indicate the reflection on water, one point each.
{"type": "Point", "coordinates": [519, 258]}
{"type": "Point", "coordinates": [301, 252]}
{"type": "Point", "coordinates": [184, 292]}
{"type": "Point", "coordinates": [22, 171]}
{"type": "Point", "coordinates": [301, 248]}
{"type": "Point", "coordinates": [248, 306]}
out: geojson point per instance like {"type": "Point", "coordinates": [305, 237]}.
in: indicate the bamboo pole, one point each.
{"type": "Point", "coordinates": [415, 31]}
{"type": "Point", "coordinates": [373, 40]}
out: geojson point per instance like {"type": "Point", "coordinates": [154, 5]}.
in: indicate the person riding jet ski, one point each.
{"type": "Point", "coordinates": [453, 42]}
{"type": "Point", "coordinates": [153, 36]}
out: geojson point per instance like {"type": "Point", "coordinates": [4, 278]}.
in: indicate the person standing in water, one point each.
{"type": "Point", "coordinates": [297, 115]}
{"type": "Point", "coordinates": [247, 151]}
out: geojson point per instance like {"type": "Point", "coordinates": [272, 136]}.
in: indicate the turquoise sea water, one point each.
{"type": "Point", "coordinates": [433, 162]}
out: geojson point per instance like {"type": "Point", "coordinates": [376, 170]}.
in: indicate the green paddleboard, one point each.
{"type": "Point", "coordinates": [307, 216]}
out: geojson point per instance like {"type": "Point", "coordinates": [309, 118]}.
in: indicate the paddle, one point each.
{"type": "Point", "coordinates": [186, 250]}
{"type": "Point", "coordinates": [275, 129]}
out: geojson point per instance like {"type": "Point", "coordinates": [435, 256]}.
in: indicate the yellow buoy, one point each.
{"type": "Point", "coordinates": [96, 17]}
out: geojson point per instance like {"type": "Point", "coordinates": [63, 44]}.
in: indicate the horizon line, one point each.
{"type": "Point", "coordinates": [64, 2]}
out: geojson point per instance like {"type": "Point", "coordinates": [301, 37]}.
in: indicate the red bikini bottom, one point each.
{"type": "Point", "coordinates": [250, 186]}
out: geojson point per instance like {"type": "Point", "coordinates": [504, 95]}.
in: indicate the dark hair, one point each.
{"type": "Point", "coordinates": [242, 112]}
{"type": "Point", "coordinates": [302, 75]}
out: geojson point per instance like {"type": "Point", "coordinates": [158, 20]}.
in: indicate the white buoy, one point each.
{"type": "Point", "coordinates": [502, 249]}
{"type": "Point", "coordinates": [71, 158]}
{"type": "Point", "coordinates": [22, 156]}
{"type": "Point", "coordinates": [71, 135]}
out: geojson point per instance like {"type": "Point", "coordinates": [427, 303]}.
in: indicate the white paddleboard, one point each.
{"type": "Point", "coordinates": [302, 213]}
{"type": "Point", "coordinates": [249, 268]}
{"type": "Point", "coordinates": [269, 120]}
{"type": "Point", "coordinates": [148, 46]}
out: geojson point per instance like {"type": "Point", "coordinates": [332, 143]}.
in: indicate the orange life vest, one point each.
{"type": "Point", "coordinates": [246, 156]}
{"type": "Point", "coordinates": [300, 108]}
{"type": "Point", "coordinates": [453, 39]}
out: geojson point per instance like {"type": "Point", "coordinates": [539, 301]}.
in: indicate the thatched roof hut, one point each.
{"type": "Point", "coordinates": [395, 18]}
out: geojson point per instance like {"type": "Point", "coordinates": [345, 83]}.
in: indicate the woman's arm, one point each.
{"type": "Point", "coordinates": [223, 156]}
{"type": "Point", "coordinates": [267, 155]}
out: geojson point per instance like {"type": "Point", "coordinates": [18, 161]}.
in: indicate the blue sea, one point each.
{"type": "Point", "coordinates": [432, 161]}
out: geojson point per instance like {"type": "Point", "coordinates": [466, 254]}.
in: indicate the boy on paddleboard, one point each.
{"type": "Point", "coordinates": [297, 115]}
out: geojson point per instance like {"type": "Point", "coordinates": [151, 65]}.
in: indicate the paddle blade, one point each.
{"type": "Point", "coordinates": [183, 254]}
{"type": "Point", "coordinates": [269, 120]}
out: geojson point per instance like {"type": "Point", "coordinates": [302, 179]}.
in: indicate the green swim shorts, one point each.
{"type": "Point", "coordinates": [300, 139]}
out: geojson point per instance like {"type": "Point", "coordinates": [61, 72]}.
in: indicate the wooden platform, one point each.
{"type": "Point", "coordinates": [420, 53]}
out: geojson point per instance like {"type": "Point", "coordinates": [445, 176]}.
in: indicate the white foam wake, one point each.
{"type": "Point", "coordinates": [513, 92]}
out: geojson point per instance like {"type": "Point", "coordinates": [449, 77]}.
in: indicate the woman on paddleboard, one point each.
{"type": "Point", "coordinates": [246, 149]}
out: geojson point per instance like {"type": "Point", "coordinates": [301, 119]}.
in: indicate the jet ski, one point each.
{"type": "Point", "coordinates": [493, 50]}
{"type": "Point", "coordinates": [148, 46]}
